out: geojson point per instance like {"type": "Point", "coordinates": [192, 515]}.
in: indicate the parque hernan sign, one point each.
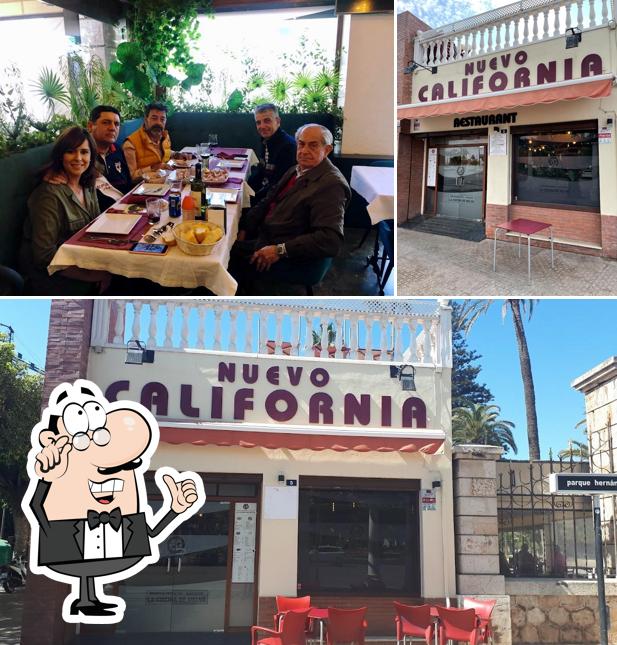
{"type": "Point", "coordinates": [582, 484]}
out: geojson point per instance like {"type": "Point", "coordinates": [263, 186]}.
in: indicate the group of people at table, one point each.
{"type": "Point", "coordinates": [295, 618]}
{"type": "Point", "coordinates": [296, 214]}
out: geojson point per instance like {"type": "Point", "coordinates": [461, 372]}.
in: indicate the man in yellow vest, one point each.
{"type": "Point", "coordinates": [149, 148]}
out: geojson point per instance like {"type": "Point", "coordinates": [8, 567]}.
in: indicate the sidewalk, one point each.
{"type": "Point", "coordinates": [10, 616]}
{"type": "Point", "coordinates": [436, 265]}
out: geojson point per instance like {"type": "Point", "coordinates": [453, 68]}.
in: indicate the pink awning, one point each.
{"type": "Point", "coordinates": [340, 442]}
{"type": "Point", "coordinates": [588, 88]}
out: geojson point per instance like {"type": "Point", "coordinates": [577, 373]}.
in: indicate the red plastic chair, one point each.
{"type": "Point", "coordinates": [291, 631]}
{"type": "Point", "coordinates": [412, 621]}
{"type": "Point", "coordinates": [346, 626]}
{"type": "Point", "coordinates": [484, 609]}
{"type": "Point", "coordinates": [283, 604]}
{"type": "Point", "coordinates": [458, 625]}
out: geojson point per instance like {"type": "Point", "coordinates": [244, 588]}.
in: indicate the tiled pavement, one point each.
{"type": "Point", "coordinates": [435, 265]}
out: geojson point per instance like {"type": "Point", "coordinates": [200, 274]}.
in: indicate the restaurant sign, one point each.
{"type": "Point", "coordinates": [484, 120]}
{"type": "Point", "coordinates": [506, 72]}
{"type": "Point", "coordinates": [267, 391]}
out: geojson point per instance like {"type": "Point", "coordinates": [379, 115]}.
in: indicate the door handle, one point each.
{"type": "Point", "coordinates": [168, 565]}
{"type": "Point", "coordinates": [179, 563]}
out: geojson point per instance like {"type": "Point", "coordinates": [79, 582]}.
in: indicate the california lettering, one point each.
{"type": "Point", "coordinates": [282, 403]}
{"type": "Point", "coordinates": [486, 75]}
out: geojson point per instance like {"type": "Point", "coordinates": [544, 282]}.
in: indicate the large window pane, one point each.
{"type": "Point", "coordinates": [557, 167]}
{"type": "Point", "coordinates": [357, 542]}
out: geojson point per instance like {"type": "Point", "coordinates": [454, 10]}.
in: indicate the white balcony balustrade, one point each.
{"type": "Point", "coordinates": [516, 25]}
{"type": "Point", "coordinates": [417, 332]}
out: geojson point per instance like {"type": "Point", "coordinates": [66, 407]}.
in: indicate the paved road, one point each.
{"type": "Point", "coordinates": [10, 616]}
{"type": "Point", "coordinates": [435, 265]}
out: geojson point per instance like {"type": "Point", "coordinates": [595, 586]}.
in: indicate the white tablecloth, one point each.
{"type": "Point", "coordinates": [376, 185]}
{"type": "Point", "coordinates": [174, 269]}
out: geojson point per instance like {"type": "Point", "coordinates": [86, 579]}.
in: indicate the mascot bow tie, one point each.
{"type": "Point", "coordinates": [114, 518]}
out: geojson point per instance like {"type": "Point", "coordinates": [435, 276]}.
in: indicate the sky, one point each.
{"type": "Point", "coordinates": [437, 12]}
{"type": "Point", "coordinates": [566, 338]}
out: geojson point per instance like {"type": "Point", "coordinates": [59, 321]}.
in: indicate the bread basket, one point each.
{"type": "Point", "coordinates": [183, 231]}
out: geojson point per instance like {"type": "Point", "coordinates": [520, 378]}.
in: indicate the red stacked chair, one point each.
{"type": "Point", "coordinates": [283, 604]}
{"type": "Point", "coordinates": [484, 609]}
{"type": "Point", "coordinates": [458, 625]}
{"type": "Point", "coordinates": [412, 621]}
{"type": "Point", "coordinates": [291, 631]}
{"type": "Point", "coordinates": [346, 626]}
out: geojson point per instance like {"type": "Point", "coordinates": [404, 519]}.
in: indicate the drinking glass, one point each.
{"type": "Point", "coordinates": [204, 150]}
{"type": "Point", "coordinates": [213, 139]}
{"type": "Point", "coordinates": [153, 207]}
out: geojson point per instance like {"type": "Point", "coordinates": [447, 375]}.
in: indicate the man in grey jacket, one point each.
{"type": "Point", "coordinates": [301, 217]}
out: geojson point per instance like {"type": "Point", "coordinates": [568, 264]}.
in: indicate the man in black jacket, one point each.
{"type": "Point", "coordinates": [278, 151]}
{"type": "Point", "coordinates": [300, 219]}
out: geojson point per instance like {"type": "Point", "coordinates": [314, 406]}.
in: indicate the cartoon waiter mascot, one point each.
{"type": "Point", "coordinates": [87, 503]}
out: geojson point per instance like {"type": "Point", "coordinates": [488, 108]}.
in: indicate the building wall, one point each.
{"type": "Point", "coordinates": [369, 95]}
{"type": "Point", "coordinates": [591, 232]}
{"type": "Point", "coordinates": [279, 538]}
{"type": "Point", "coordinates": [410, 155]}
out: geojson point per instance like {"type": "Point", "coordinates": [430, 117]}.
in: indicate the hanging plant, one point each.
{"type": "Point", "coordinates": [161, 34]}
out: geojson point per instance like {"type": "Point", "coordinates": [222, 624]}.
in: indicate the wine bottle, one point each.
{"type": "Point", "coordinates": [197, 191]}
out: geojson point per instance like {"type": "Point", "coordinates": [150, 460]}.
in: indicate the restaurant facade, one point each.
{"type": "Point", "coordinates": [511, 114]}
{"type": "Point", "coordinates": [327, 465]}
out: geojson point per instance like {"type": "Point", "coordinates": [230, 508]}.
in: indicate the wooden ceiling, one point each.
{"type": "Point", "coordinates": [113, 10]}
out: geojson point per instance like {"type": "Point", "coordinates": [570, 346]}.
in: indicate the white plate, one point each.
{"type": "Point", "coordinates": [117, 223]}
{"type": "Point", "coordinates": [156, 190]}
{"type": "Point", "coordinates": [232, 163]}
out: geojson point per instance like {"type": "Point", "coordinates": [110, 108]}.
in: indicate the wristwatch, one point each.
{"type": "Point", "coordinates": [281, 250]}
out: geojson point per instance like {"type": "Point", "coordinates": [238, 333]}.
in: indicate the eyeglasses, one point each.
{"type": "Point", "coordinates": [100, 436]}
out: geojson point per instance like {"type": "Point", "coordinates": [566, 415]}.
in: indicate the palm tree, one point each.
{"type": "Point", "coordinates": [470, 311]}
{"type": "Point", "coordinates": [480, 423]}
{"type": "Point", "coordinates": [575, 450]}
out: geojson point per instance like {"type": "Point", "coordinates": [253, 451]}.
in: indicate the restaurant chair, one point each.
{"type": "Point", "coordinates": [484, 608]}
{"type": "Point", "coordinates": [11, 282]}
{"type": "Point", "coordinates": [459, 625]}
{"type": "Point", "coordinates": [346, 626]}
{"type": "Point", "coordinates": [307, 273]}
{"type": "Point", "coordinates": [386, 237]}
{"type": "Point", "coordinates": [283, 604]}
{"type": "Point", "coordinates": [291, 631]}
{"type": "Point", "coordinates": [414, 621]}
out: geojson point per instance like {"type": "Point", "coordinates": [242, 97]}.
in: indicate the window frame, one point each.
{"type": "Point", "coordinates": [530, 130]}
{"type": "Point", "coordinates": [368, 484]}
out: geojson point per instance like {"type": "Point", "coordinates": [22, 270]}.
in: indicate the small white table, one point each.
{"type": "Point", "coordinates": [376, 185]}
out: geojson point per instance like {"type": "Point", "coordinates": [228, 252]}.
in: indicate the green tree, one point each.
{"type": "Point", "coordinates": [576, 449]}
{"type": "Point", "coordinates": [479, 423]}
{"type": "Point", "coordinates": [470, 311]}
{"type": "Point", "coordinates": [465, 386]}
{"type": "Point", "coordinates": [20, 410]}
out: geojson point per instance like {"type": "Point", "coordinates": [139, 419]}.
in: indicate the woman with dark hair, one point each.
{"type": "Point", "coordinates": [56, 212]}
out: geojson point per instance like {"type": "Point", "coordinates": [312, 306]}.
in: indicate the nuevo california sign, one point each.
{"type": "Point", "coordinates": [488, 75]}
{"type": "Point", "coordinates": [280, 392]}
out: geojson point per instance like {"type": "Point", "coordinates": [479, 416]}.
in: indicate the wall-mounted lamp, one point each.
{"type": "Point", "coordinates": [136, 353]}
{"type": "Point", "coordinates": [406, 374]}
{"type": "Point", "coordinates": [573, 38]}
{"type": "Point", "coordinates": [412, 66]}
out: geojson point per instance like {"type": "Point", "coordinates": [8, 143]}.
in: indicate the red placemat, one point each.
{"type": "Point", "coordinates": [119, 242]}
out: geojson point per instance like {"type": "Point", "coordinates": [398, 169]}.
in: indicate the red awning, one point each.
{"type": "Point", "coordinates": [593, 87]}
{"type": "Point", "coordinates": [340, 442]}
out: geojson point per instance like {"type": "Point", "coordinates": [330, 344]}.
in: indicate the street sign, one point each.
{"type": "Point", "coordinates": [582, 484]}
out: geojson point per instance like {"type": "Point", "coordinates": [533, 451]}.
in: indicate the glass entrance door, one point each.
{"type": "Point", "coordinates": [204, 580]}
{"type": "Point", "coordinates": [460, 182]}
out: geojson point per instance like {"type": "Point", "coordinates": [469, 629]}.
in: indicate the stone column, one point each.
{"type": "Point", "coordinates": [476, 531]}
{"type": "Point", "coordinates": [67, 359]}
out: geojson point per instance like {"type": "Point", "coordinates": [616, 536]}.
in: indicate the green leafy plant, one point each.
{"type": "Point", "coordinates": [161, 35]}
{"type": "Point", "coordinates": [51, 89]}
